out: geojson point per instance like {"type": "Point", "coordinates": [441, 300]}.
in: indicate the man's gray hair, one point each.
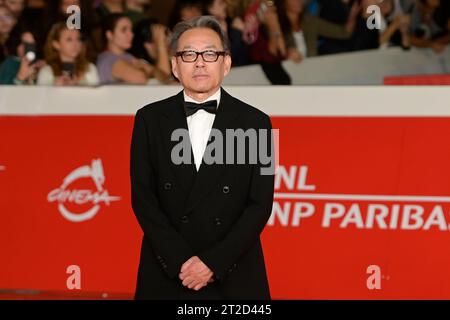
{"type": "Point", "coordinates": [199, 22]}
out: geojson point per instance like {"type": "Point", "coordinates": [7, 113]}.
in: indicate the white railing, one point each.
{"type": "Point", "coordinates": [357, 68]}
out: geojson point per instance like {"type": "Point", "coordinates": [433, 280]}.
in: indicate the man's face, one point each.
{"type": "Point", "coordinates": [200, 77]}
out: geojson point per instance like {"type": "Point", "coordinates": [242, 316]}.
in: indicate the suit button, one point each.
{"type": "Point", "coordinates": [217, 221]}
{"type": "Point", "coordinates": [167, 186]}
{"type": "Point", "coordinates": [232, 268]}
{"type": "Point", "coordinates": [184, 219]}
{"type": "Point", "coordinates": [226, 189]}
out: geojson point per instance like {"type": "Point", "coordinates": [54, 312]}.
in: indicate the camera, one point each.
{"type": "Point", "coordinates": [30, 52]}
{"type": "Point", "coordinates": [68, 68]}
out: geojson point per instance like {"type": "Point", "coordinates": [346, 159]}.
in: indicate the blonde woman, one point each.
{"type": "Point", "coordinates": [66, 59]}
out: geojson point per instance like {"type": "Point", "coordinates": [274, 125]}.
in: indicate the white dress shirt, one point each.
{"type": "Point", "coordinates": [199, 125]}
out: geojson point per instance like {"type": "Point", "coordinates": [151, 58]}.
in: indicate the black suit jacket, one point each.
{"type": "Point", "coordinates": [216, 213]}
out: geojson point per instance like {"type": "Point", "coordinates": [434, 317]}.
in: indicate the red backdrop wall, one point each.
{"type": "Point", "coordinates": [352, 192]}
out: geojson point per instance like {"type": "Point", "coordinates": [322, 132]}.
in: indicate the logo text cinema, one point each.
{"type": "Point", "coordinates": [64, 194]}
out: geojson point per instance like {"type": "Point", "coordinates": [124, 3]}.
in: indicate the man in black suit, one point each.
{"type": "Point", "coordinates": [201, 219]}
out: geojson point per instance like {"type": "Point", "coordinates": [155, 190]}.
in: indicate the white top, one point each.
{"type": "Point", "coordinates": [199, 125]}
{"type": "Point", "coordinates": [299, 38]}
{"type": "Point", "coordinates": [46, 77]}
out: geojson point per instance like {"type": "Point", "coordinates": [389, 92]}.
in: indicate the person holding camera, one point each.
{"type": "Point", "coordinates": [67, 64]}
{"type": "Point", "coordinates": [21, 65]}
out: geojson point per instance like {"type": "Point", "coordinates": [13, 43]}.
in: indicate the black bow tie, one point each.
{"type": "Point", "coordinates": [191, 107]}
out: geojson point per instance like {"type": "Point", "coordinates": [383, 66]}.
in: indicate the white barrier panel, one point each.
{"type": "Point", "coordinates": [361, 205]}
{"type": "Point", "coordinates": [274, 100]}
{"type": "Point", "coordinates": [357, 68]}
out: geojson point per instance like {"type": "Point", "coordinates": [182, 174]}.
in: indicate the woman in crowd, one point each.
{"type": "Point", "coordinates": [57, 11]}
{"type": "Point", "coordinates": [115, 64]}
{"type": "Point", "coordinates": [66, 59]}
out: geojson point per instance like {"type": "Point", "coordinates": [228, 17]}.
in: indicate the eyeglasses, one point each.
{"type": "Point", "coordinates": [207, 56]}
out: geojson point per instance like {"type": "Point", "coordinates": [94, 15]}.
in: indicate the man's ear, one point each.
{"type": "Point", "coordinates": [227, 64]}
{"type": "Point", "coordinates": [175, 66]}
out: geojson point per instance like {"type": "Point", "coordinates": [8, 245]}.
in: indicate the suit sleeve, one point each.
{"type": "Point", "coordinates": [171, 249]}
{"type": "Point", "coordinates": [247, 229]}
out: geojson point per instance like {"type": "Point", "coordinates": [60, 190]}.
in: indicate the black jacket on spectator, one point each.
{"type": "Point", "coordinates": [364, 38]}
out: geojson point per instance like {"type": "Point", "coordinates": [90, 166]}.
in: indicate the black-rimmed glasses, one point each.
{"type": "Point", "coordinates": [207, 56]}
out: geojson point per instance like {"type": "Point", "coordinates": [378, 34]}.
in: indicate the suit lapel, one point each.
{"type": "Point", "coordinates": [208, 174]}
{"type": "Point", "coordinates": [174, 118]}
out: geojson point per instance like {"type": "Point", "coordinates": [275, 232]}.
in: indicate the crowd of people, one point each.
{"type": "Point", "coordinates": [127, 42]}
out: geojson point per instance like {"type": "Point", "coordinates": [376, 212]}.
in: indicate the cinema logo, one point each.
{"type": "Point", "coordinates": [361, 211]}
{"type": "Point", "coordinates": [65, 195]}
